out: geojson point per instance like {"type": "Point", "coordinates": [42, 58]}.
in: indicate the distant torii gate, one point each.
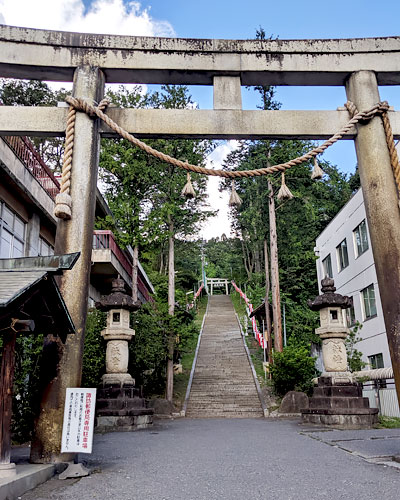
{"type": "Point", "coordinates": [92, 60]}
{"type": "Point", "coordinates": [218, 283]}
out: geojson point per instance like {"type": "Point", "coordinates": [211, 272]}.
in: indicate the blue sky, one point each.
{"type": "Point", "coordinates": [286, 19]}
{"type": "Point", "coordinates": [233, 19]}
{"type": "Point", "coordinates": [290, 19]}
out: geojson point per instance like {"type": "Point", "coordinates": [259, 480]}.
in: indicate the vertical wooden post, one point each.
{"type": "Point", "coordinates": [382, 208]}
{"type": "Point", "coordinates": [171, 311]}
{"type": "Point", "coordinates": [7, 469]}
{"type": "Point", "coordinates": [72, 236]}
{"type": "Point", "coordinates": [276, 295]}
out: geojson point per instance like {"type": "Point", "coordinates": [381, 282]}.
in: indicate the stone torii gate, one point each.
{"type": "Point", "coordinates": [92, 60]}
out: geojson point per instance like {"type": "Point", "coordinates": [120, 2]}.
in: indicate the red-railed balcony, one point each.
{"type": "Point", "coordinates": [27, 154]}
{"type": "Point", "coordinates": [108, 260]}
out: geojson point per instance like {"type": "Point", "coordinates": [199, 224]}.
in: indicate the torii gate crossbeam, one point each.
{"type": "Point", "coordinates": [91, 60]}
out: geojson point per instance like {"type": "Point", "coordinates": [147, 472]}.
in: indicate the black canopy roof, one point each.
{"type": "Point", "coordinates": [28, 291]}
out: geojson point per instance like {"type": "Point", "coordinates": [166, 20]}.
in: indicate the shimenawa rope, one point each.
{"type": "Point", "coordinates": [82, 105]}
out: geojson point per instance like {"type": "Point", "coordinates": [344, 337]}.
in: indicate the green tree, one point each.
{"type": "Point", "coordinates": [36, 93]}
{"type": "Point", "coordinates": [354, 356]}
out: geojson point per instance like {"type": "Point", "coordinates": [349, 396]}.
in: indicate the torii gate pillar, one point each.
{"type": "Point", "coordinates": [382, 207]}
{"type": "Point", "coordinates": [73, 235]}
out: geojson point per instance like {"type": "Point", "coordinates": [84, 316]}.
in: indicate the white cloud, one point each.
{"type": "Point", "coordinates": [220, 224]}
{"type": "Point", "coordinates": [103, 16]}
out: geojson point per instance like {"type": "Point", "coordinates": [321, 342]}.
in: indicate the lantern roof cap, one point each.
{"type": "Point", "coordinates": [117, 299]}
{"type": "Point", "coordinates": [329, 298]}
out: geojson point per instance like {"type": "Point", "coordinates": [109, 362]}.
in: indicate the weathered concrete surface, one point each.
{"type": "Point", "coordinates": [72, 236]}
{"type": "Point", "coordinates": [28, 477]}
{"type": "Point", "coordinates": [382, 208]}
{"type": "Point", "coordinates": [227, 92]}
{"type": "Point", "coordinates": [234, 459]}
{"type": "Point", "coordinates": [126, 59]}
{"type": "Point", "coordinates": [189, 123]}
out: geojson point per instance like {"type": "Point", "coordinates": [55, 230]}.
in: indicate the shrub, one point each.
{"type": "Point", "coordinates": [94, 354]}
{"type": "Point", "coordinates": [26, 394]}
{"type": "Point", "coordinates": [293, 370]}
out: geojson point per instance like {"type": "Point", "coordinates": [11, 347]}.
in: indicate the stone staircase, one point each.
{"type": "Point", "coordinates": [223, 383]}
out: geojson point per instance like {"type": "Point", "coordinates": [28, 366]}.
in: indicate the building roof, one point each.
{"type": "Point", "coordinates": [28, 291]}
{"type": "Point", "coordinates": [15, 283]}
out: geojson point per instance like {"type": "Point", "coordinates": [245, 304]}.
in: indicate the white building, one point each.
{"type": "Point", "coordinates": [344, 253]}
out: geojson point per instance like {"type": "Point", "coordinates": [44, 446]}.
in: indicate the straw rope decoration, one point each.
{"type": "Point", "coordinates": [76, 104]}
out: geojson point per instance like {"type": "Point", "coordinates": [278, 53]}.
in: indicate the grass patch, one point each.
{"type": "Point", "coordinates": [240, 309]}
{"type": "Point", "coordinates": [388, 422]}
{"type": "Point", "coordinates": [257, 356]}
{"type": "Point", "coordinates": [181, 380]}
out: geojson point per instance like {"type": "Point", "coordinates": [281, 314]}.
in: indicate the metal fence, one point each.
{"type": "Point", "coordinates": [382, 395]}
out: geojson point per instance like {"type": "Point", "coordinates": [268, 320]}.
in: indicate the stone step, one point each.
{"type": "Point", "coordinates": [225, 414]}
{"type": "Point", "coordinates": [223, 385]}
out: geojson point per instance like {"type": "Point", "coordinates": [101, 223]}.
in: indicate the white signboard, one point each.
{"type": "Point", "coordinates": [77, 436]}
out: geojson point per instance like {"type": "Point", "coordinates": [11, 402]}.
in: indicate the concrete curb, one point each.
{"type": "Point", "coordinates": [253, 371]}
{"type": "Point", "coordinates": [183, 411]}
{"type": "Point", "coordinates": [28, 477]}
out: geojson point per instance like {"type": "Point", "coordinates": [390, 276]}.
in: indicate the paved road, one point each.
{"type": "Point", "coordinates": [234, 459]}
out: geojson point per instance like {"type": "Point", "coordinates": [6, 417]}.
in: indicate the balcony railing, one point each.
{"type": "Point", "coordinates": [104, 239]}
{"type": "Point", "coordinates": [26, 152]}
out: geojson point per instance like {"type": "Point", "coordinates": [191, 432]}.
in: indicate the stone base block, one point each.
{"type": "Point", "coordinates": [117, 378]}
{"type": "Point", "coordinates": [341, 421]}
{"type": "Point", "coordinates": [339, 405]}
{"type": "Point", "coordinates": [7, 471]}
{"type": "Point", "coordinates": [123, 423]}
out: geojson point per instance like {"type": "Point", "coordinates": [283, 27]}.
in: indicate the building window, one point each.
{"type": "Point", "coordinates": [45, 249]}
{"type": "Point", "coordinates": [361, 238]}
{"type": "Point", "coordinates": [343, 257]}
{"type": "Point", "coordinates": [12, 233]}
{"type": "Point", "coordinates": [327, 266]}
{"type": "Point", "coordinates": [350, 317]}
{"type": "Point", "coordinates": [368, 296]}
{"type": "Point", "coordinates": [376, 361]}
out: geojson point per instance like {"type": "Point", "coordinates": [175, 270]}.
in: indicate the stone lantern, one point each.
{"type": "Point", "coordinates": [333, 331]}
{"type": "Point", "coordinates": [337, 400]}
{"type": "Point", "coordinates": [120, 405]}
{"type": "Point", "coordinates": [117, 333]}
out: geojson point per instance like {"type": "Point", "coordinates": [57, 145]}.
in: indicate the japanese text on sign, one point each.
{"type": "Point", "coordinates": [77, 436]}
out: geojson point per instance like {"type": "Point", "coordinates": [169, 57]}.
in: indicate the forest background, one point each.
{"type": "Point", "coordinates": [151, 215]}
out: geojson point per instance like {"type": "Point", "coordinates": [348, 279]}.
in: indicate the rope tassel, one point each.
{"type": "Point", "coordinates": [317, 172]}
{"type": "Point", "coordinates": [188, 190]}
{"type": "Point", "coordinates": [234, 199]}
{"type": "Point", "coordinates": [63, 208]}
{"type": "Point", "coordinates": [284, 192]}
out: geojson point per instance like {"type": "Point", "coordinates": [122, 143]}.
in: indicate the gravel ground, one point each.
{"type": "Point", "coordinates": [233, 459]}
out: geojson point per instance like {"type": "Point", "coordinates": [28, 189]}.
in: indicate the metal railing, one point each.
{"type": "Point", "coordinates": [27, 154]}
{"type": "Point", "coordinates": [382, 395]}
{"type": "Point", "coordinates": [104, 239]}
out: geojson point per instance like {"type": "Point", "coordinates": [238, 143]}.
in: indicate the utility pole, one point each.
{"type": "Point", "coordinates": [171, 310]}
{"type": "Point", "coordinates": [266, 302]}
{"type": "Point", "coordinates": [276, 296]}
